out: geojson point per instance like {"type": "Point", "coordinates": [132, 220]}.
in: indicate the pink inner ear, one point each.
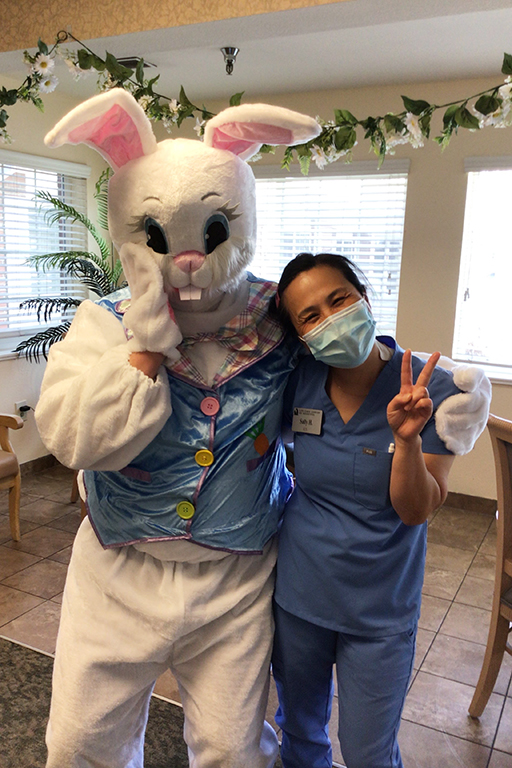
{"type": "Point", "coordinates": [239, 137]}
{"type": "Point", "coordinates": [113, 134]}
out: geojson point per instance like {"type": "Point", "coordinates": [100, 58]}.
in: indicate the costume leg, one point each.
{"type": "Point", "coordinates": [223, 665]}
{"type": "Point", "coordinates": [106, 663]}
{"type": "Point", "coordinates": [373, 674]}
{"type": "Point", "coordinates": [302, 663]}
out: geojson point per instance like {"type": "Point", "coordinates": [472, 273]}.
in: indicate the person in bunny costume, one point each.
{"type": "Point", "coordinates": [168, 394]}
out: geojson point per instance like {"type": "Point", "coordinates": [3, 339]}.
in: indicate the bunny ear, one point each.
{"type": "Point", "coordinates": [111, 123]}
{"type": "Point", "coordinates": [242, 130]}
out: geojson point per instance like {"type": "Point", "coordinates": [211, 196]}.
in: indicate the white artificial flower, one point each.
{"type": "Point", "coordinates": [332, 154]}
{"type": "Point", "coordinates": [170, 114]}
{"type": "Point", "coordinates": [505, 117]}
{"type": "Point", "coordinates": [145, 101]}
{"type": "Point", "coordinates": [319, 157]}
{"type": "Point", "coordinates": [199, 127]}
{"type": "Point", "coordinates": [505, 92]}
{"type": "Point", "coordinates": [487, 121]}
{"type": "Point", "coordinates": [77, 72]}
{"type": "Point", "coordinates": [505, 108]}
{"type": "Point", "coordinates": [500, 117]}
{"type": "Point", "coordinates": [168, 123]}
{"type": "Point", "coordinates": [484, 121]}
{"type": "Point", "coordinates": [48, 84]}
{"type": "Point", "coordinates": [4, 136]}
{"type": "Point", "coordinates": [65, 53]}
{"type": "Point", "coordinates": [73, 67]}
{"type": "Point", "coordinates": [394, 139]}
{"type": "Point", "coordinates": [415, 136]}
{"type": "Point", "coordinates": [105, 81]}
{"type": "Point", "coordinates": [43, 64]}
{"type": "Point", "coordinates": [496, 119]}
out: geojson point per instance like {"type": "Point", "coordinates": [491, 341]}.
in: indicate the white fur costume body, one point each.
{"type": "Point", "coordinates": [182, 215]}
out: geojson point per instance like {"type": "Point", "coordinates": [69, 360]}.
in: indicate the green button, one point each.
{"type": "Point", "coordinates": [185, 510]}
{"type": "Point", "coordinates": [204, 457]}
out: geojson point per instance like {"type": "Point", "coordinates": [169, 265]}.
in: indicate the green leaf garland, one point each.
{"type": "Point", "coordinates": [339, 136]}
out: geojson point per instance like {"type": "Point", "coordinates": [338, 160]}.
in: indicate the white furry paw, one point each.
{"type": "Point", "coordinates": [150, 317]}
{"type": "Point", "coordinates": [461, 419]}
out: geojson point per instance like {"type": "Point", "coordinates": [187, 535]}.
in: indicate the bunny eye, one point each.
{"type": "Point", "coordinates": [156, 238]}
{"type": "Point", "coordinates": [216, 231]}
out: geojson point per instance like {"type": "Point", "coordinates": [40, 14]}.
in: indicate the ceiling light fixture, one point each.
{"type": "Point", "coordinates": [230, 53]}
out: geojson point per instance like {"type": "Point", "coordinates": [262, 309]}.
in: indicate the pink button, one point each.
{"type": "Point", "coordinates": [210, 406]}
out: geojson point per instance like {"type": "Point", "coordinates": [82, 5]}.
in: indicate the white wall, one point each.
{"type": "Point", "coordinates": [21, 380]}
{"type": "Point", "coordinates": [432, 240]}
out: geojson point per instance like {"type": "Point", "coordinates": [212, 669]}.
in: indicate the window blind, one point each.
{"type": "Point", "coordinates": [24, 233]}
{"type": "Point", "coordinates": [360, 215]}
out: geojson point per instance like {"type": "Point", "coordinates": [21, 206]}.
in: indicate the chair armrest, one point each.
{"type": "Point", "coordinates": [11, 422]}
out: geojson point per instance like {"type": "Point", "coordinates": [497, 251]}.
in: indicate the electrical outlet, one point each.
{"type": "Point", "coordinates": [21, 409]}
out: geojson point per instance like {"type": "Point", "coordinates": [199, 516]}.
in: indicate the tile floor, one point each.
{"type": "Point", "coordinates": [436, 730]}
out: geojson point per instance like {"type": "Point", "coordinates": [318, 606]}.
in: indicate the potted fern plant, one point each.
{"type": "Point", "coordinates": [100, 271]}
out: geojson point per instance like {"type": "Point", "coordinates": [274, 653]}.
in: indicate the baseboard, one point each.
{"type": "Point", "coordinates": [471, 503]}
{"type": "Point", "coordinates": [37, 465]}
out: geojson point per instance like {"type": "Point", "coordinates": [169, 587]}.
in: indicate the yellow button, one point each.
{"type": "Point", "coordinates": [204, 458]}
{"type": "Point", "coordinates": [185, 510]}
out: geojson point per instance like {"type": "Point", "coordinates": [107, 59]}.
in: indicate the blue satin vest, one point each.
{"type": "Point", "coordinates": [236, 502]}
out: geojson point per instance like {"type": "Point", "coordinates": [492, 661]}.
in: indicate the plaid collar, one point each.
{"type": "Point", "coordinates": [248, 336]}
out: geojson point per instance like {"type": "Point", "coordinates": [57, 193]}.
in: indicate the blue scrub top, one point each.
{"type": "Point", "coordinates": [346, 560]}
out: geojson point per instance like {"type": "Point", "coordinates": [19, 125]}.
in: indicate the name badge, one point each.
{"type": "Point", "coordinates": [307, 420]}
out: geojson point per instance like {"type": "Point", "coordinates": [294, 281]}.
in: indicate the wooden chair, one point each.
{"type": "Point", "coordinates": [500, 431]}
{"type": "Point", "coordinates": [10, 475]}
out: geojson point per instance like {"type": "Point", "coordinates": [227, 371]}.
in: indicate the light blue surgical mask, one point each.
{"type": "Point", "coordinates": [345, 339]}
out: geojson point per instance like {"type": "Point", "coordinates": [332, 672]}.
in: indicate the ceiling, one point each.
{"type": "Point", "coordinates": [339, 45]}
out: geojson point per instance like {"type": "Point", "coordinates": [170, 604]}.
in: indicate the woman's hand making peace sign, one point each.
{"type": "Point", "coordinates": [409, 411]}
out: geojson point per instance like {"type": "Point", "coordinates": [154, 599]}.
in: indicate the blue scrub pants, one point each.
{"type": "Point", "coordinates": [373, 674]}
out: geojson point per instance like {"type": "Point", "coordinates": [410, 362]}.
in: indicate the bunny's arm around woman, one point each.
{"type": "Point", "coordinates": [96, 410]}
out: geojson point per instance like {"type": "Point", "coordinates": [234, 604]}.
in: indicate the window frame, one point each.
{"type": "Point", "coordinates": [497, 373]}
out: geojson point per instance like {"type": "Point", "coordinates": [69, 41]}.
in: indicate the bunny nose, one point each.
{"type": "Point", "coordinates": [189, 261]}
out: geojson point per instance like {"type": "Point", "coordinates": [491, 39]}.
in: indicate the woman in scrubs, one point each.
{"type": "Point", "coordinates": [370, 469]}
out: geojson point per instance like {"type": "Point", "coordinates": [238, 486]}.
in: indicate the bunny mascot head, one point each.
{"type": "Point", "coordinates": [191, 202]}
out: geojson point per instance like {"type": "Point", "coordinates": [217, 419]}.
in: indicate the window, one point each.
{"type": "Point", "coordinates": [482, 322]}
{"type": "Point", "coordinates": [24, 232]}
{"type": "Point", "coordinates": [356, 211]}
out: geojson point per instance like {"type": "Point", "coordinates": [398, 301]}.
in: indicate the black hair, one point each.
{"type": "Point", "coordinates": [303, 263]}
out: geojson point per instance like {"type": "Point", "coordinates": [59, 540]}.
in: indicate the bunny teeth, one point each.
{"type": "Point", "coordinates": [190, 292]}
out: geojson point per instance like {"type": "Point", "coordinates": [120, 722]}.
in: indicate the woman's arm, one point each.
{"type": "Point", "coordinates": [419, 482]}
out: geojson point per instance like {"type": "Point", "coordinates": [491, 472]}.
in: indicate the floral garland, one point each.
{"type": "Point", "coordinates": [492, 107]}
